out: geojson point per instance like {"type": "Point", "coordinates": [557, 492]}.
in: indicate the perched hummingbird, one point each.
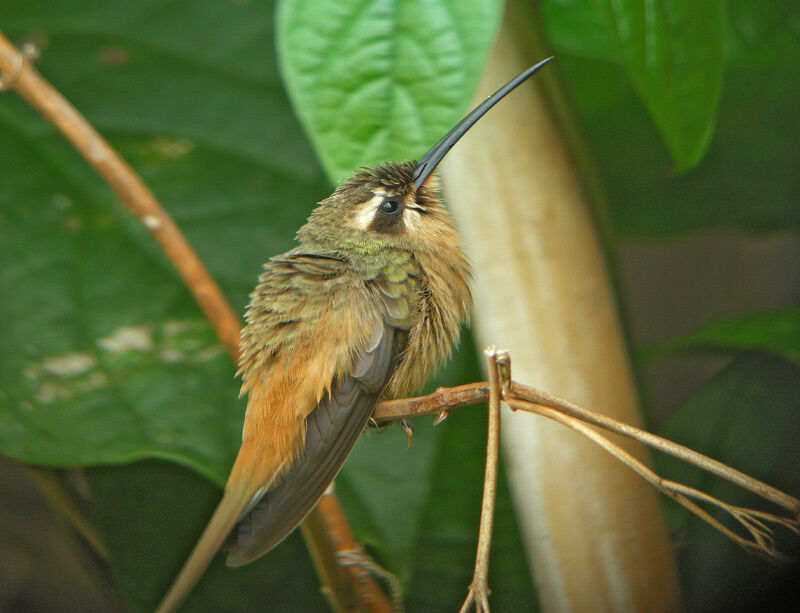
{"type": "Point", "coordinates": [367, 305]}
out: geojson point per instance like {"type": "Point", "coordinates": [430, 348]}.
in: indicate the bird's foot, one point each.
{"type": "Point", "coordinates": [368, 566]}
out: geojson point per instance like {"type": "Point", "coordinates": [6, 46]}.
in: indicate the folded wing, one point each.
{"type": "Point", "coordinates": [331, 431]}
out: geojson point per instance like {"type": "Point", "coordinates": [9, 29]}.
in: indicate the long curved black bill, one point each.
{"type": "Point", "coordinates": [428, 162]}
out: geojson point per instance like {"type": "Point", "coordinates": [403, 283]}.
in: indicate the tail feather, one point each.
{"type": "Point", "coordinates": [228, 512]}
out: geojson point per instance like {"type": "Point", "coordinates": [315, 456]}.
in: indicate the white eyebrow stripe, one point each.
{"type": "Point", "coordinates": [366, 214]}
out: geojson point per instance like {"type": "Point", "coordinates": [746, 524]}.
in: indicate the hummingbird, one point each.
{"type": "Point", "coordinates": [365, 307]}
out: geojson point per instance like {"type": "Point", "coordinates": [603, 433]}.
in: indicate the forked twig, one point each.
{"type": "Point", "coordinates": [524, 398]}
{"type": "Point", "coordinates": [538, 397]}
{"type": "Point", "coordinates": [761, 533]}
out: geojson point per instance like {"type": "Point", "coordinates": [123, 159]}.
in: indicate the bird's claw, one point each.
{"type": "Point", "coordinates": [408, 428]}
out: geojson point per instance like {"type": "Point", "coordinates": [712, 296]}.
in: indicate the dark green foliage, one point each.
{"type": "Point", "coordinates": [748, 416]}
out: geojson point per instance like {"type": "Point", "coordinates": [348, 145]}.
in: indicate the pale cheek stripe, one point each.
{"type": "Point", "coordinates": [412, 219]}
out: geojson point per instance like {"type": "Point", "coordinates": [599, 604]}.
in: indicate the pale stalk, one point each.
{"type": "Point", "coordinates": [478, 593]}
{"type": "Point", "coordinates": [592, 529]}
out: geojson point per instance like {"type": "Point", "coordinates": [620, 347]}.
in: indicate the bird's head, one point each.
{"type": "Point", "coordinates": [396, 204]}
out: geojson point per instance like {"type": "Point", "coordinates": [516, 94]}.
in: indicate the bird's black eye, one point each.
{"type": "Point", "coordinates": [390, 206]}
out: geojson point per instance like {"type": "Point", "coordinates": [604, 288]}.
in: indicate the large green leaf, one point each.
{"type": "Point", "coordinates": [745, 182]}
{"type": "Point", "coordinates": [105, 357]}
{"type": "Point", "coordinates": [101, 363]}
{"type": "Point", "coordinates": [775, 331]}
{"type": "Point", "coordinates": [383, 79]}
{"type": "Point", "coordinates": [747, 416]}
{"type": "Point", "coordinates": [674, 51]}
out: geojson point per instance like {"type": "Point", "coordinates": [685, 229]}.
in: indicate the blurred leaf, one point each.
{"type": "Point", "coordinates": [755, 32]}
{"type": "Point", "coordinates": [745, 181]}
{"type": "Point", "coordinates": [381, 80]}
{"type": "Point", "coordinates": [747, 416]}
{"type": "Point", "coordinates": [773, 331]}
{"type": "Point", "coordinates": [579, 28]}
{"type": "Point", "coordinates": [674, 51]}
{"type": "Point", "coordinates": [761, 32]}
{"type": "Point", "coordinates": [151, 512]}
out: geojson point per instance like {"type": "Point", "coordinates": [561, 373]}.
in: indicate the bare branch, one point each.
{"type": "Point", "coordinates": [761, 533]}
{"type": "Point", "coordinates": [524, 398]}
{"type": "Point", "coordinates": [441, 402]}
{"type": "Point", "coordinates": [566, 407]}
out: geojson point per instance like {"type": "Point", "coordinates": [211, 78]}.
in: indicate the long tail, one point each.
{"type": "Point", "coordinates": [228, 511]}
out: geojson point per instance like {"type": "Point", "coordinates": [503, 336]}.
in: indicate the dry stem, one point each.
{"type": "Point", "coordinates": [18, 74]}
{"type": "Point", "coordinates": [479, 588]}
{"type": "Point", "coordinates": [522, 397]}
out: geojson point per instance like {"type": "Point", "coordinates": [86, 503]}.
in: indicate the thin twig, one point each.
{"type": "Point", "coordinates": [479, 588]}
{"type": "Point", "coordinates": [522, 397]}
{"type": "Point", "coordinates": [18, 74]}
{"type": "Point", "coordinates": [566, 407]}
{"type": "Point", "coordinates": [760, 532]}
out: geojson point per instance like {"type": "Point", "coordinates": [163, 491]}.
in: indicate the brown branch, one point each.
{"type": "Point", "coordinates": [441, 402]}
{"type": "Point", "coordinates": [761, 534]}
{"type": "Point", "coordinates": [18, 74]}
{"type": "Point", "coordinates": [370, 596]}
{"type": "Point", "coordinates": [479, 588]}
{"type": "Point", "coordinates": [532, 395]}
{"type": "Point", "coordinates": [524, 398]}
